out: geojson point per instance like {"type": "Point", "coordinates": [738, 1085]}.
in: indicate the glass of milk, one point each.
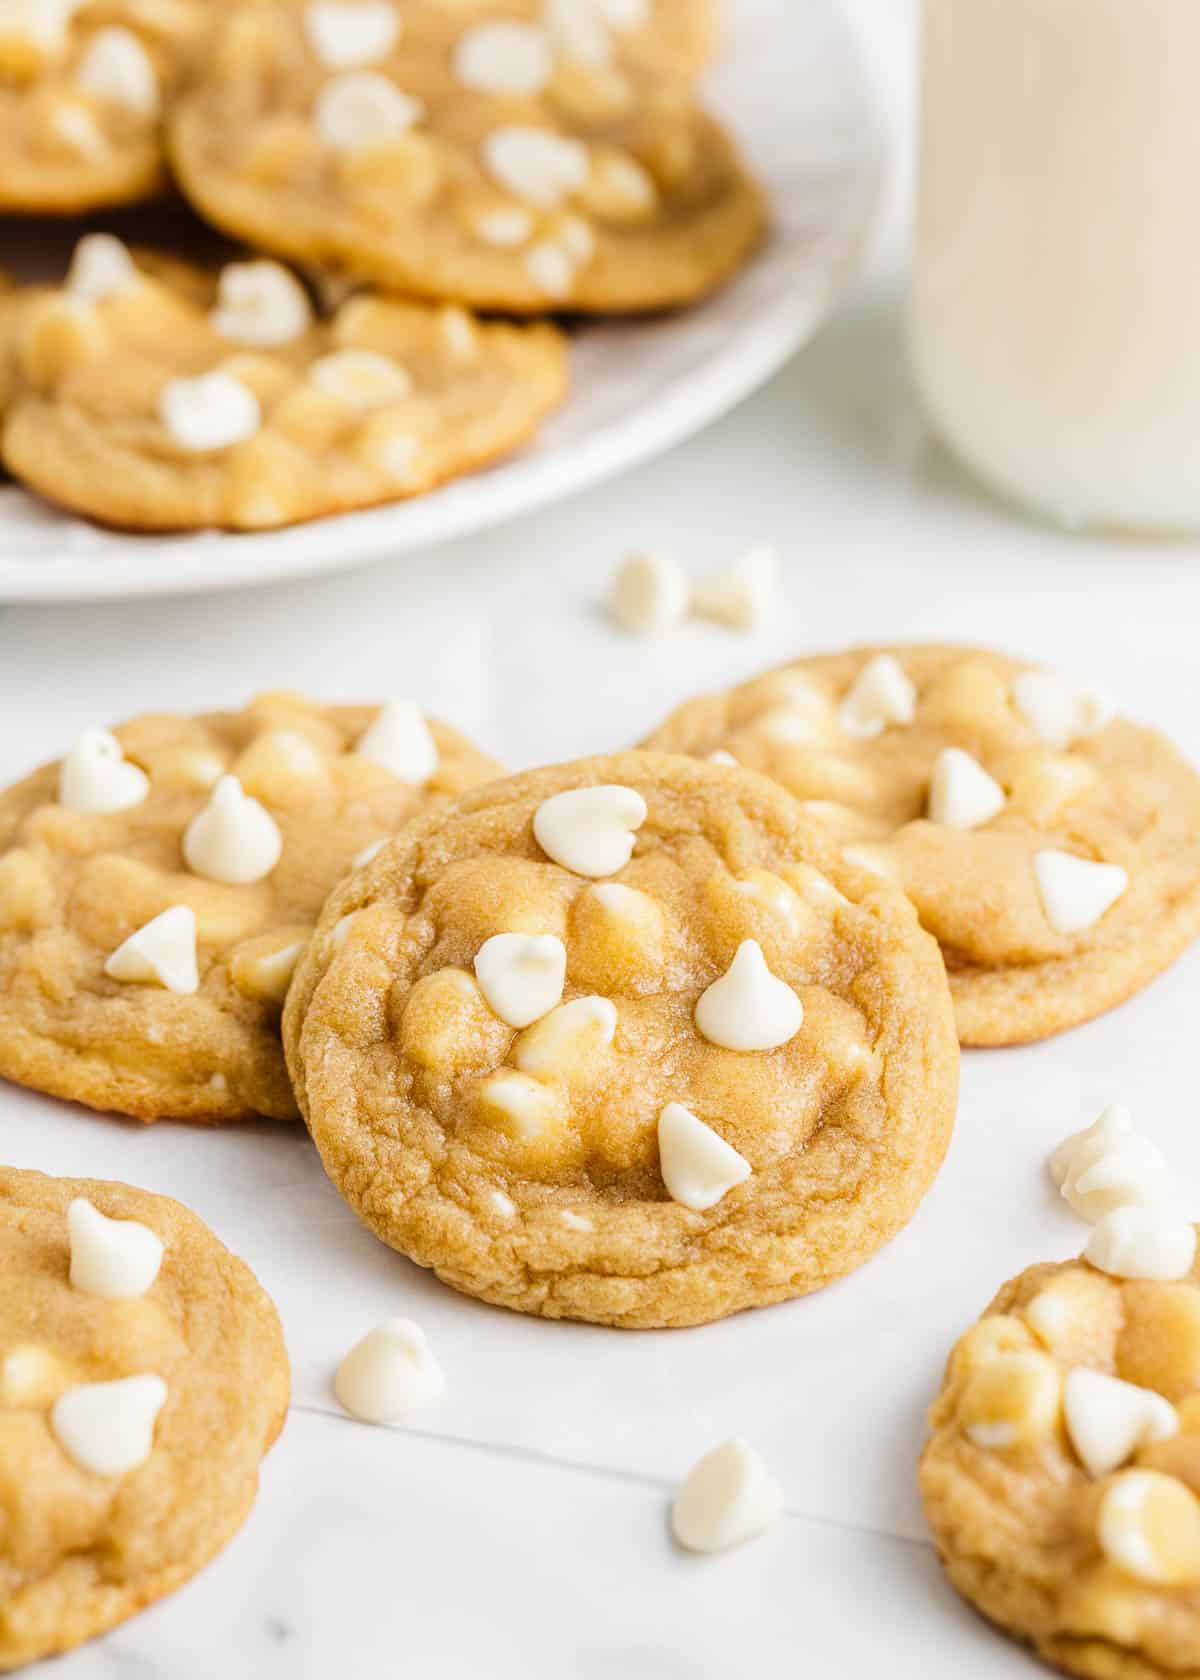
{"type": "Point", "coordinates": [1055, 317]}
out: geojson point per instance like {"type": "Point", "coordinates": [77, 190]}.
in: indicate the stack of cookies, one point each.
{"type": "Point", "coordinates": [388, 169]}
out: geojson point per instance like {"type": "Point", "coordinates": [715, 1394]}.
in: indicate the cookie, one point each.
{"type": "Point", "coordinates": [158, 885]}
{"type": "Point", "coordinates": [459, 153]}
{"type": "Point", "coordinates": [81, 99]}
{"type": "Point", "coordinates": [1051, 848]}
{"type": "Point", "coordinates": [625, 1041]}
{"type": "Point", "coordinates": [142, 1378]}
{"type": "Point", "coordinates": [1062, 1474]}
{"type": "Point", "coordinates": [145, 402]}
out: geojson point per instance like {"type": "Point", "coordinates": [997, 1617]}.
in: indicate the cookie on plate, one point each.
{"type": "Point", "coordinates": [1062, 1477]}
{"type": "Point", "coordinates": [453, 153]}
{"type": "Point", "coordinates": [145, 402]}
{"type": "Point", "coordinates": [158, 885]}
{"type": "Point", "coordinates": [143, 1377]}
{"type": "Point", "coordinates": [1052, 848]}
{"type": "Point", "coordinates": [624, 1040]}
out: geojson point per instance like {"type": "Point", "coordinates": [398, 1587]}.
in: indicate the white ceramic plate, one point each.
{"type": "Point", "coordinates": [790, 84]}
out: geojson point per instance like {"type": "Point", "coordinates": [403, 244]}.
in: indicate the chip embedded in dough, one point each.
{"type": "Point", "coordinates": [1062, 872]}
{"type": "Point", "coordinates": [1098, 1569]}
{"type": "Point", "coordinates": [475, 155]}
{"type": "Point", "coordinates": [80, 1551]}
{"type": "Point", "coordinates": [80, 879]}
{"type": "Point", "coordinates": [529, 1165]}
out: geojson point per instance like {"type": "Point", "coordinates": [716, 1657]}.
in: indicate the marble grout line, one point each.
{"type": "Point", "coordinates": [663, 1485]}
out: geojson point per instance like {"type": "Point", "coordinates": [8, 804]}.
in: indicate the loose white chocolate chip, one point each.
{"type": "Point", "coordinates": [503, 57]}
{"type": "Point", "coordinates": [100, 267]}
{"type": "Point", "coordinates": [744, 594]}
{"type": "Point", "coordinates": [561, 1043]}
{"type": "Point", "coordinates": [115, 1259]}
{"type": "Point", "coordinates": [361, 379]}
{"type": "Point", "coordinates": [1010, 1400]}
{"type": "Point", "coordinates": [1108, 1420]}
{"type": "Point", "coordinates": [233, 839]}
{"type": "Point", "coordinates": [1149, 1526]}
{"type": "Point", "coordinates": [1109, 1166]}
{"type": "Point", "coordinates": [536, 164]}
{"type": "Point", "coordinates": [346, 34]}
{"type": "Point", "coordinates": [882, 694]}
{"type": "Point", "coordinates": [399, 740]}
{"type": "Point", "coordinates": [749, 1008]}
{"type": "Point", "coordinates": [389, 1374]}
{"type": "Point", "coordinates": [698, 1167]}
{"type": "Point", "coordinates": [260, 303]}
{"type": "Point", "coordinates": [590, 830]}
{"type": "Point", "coordinates": [1084, 1148]}
{"type": "Point", "coordinates": [115, 65]}
{"type": "Point", "coordinates": [521, 975]}
{"type": "Point", "coordinates": [363, 108]}
{"type": "Point", "coordinates": [1143, 1242]}
{"type": "Point", "coordinates": [213, 411]}
{"type": "Point", "coordinates": [162, 953]}
{"type": "Point", "coordinates": [95, 776]}
{"type": "Point", "coordinates": [1060, 711]}
{"type": "Point", "coordinates": [727, 1499]}
{"type": "Point", "coordinates": [505, 228]}
{"type": "Point", "coordinates": [649, 594]}
{"type": "Point", "coordinates": [961, 793]}
{"type": "Point", "coordinates": [108, 1427]}
{"type": "Point", "coordinates": [1076, 892]}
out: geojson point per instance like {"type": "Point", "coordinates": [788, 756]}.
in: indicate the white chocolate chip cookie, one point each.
{"type": "Point", "coordinates": [480, 152]}
{"type": "Point", "coordinates": [1062, 1479]}
{"type": "Point", "coordinates": [625, 1041]}
{"type": "Point", "coordinates": [1051, 848]}
{"type": "Point", "coordinates": [164, 403]}
{"type": "Point", "coordinates": [158, 885]}
{"type": "Point", "coordinates": [142, 1378]}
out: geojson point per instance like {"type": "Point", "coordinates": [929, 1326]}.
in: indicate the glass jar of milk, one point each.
{"type": "Point", "coordinates": [1056, 294]}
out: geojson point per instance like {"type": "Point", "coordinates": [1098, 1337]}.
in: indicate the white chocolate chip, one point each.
{"type": "Point", "coordinates": [503, 57]}
{"type": "Point", "coordinates": [1143, 1242]}
{"type": "Point", "coordinates": [260, 303]}
{"type": "Point", "coordinates": [362, 379]}
{"type": "Point", "coordinates": [114, 1259]}
{"type": "Point", "coordinates": [346, 34]}
{"type": "Point", "coordinates": [558, 1044]}
{"type": "Point", "coordinates": [95, 776]}
{"type": "Point", "coordinates": [727, 1498]}
{"type": "Point", "coordinates": [108, 1427]}
{"type": "Point", "coordinates": [41, 24]}
{"type": "Point", "coordinates": [521, 975]}
{"type": "Point", "coordinates": [1060, 711]}
{"type": "Point", "coordinates": [697, 1165]}
{"type": "Point", "coordinates": [577, 239]}
{"type": "Point", "coordinates": [528, 1109]}
{"type": "Point", "coordinates": [360, 860]}
{"type": "Point", "coordinates": [749, 1008]}
{"type": "Point", "coordinates": [961, 793]}
{"type": "Point", "coordinates": [550, 268]}
{"type": "Point", "coordinates": [1149, 1526]}
{"type": "Point", "coordinates": [1076, 892]}
{"type": "Point", "coordinates": [458, 332]}
{"type": "Point", "coordinates": [400, 740]}
{"type": "Point", "coordinates": [233, 839]}
{"type": "Point", "coordinates": [882, 694]}
{"type": "Point", "coordinates": [536, 164]}
{"type": "Point", "coordinates": [100, 267]}
{"type": "Point", "coordinates": [506, 227]}
{"type": "Point", "coordinates": [503, 1205]}
{"type": "Point", "coordinates": [579, 30]}
{"type": "Point", "coordinates": [389, 1373]}
{"type": "Point", "coordinates": [212, 411]}
{"type": "Point", "coordinates": [590, 830]}
{"type": "Point", "coordinates": [116, 66]}
{"type": "Point", "coordinates": [743, 595]}
{"type": "Point", "coordinates": [723, 757]}
{"type": "Point", "coordinates": [649, 594]}
{"type": "Point", "coordinates": [162, 953]}
{"type": "Point", "coordinates": [1108, 1420]}
{"type": "Point", "coordinates": [363, 108]}
{"type": "Point", "coordinates": [76, 127]}
{"type": "Point", "coordinates": [575, 1221]}
{"type": "Point", "coordinates": [1109, 1165]}
{"type": "Point", "coordinates": [1084, 1148]}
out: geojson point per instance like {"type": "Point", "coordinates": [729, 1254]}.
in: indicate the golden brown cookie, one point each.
{"type": "Point", "coordinates": [1052, 849]}
{"type": "Point", "coordinates": [145, 402]}
{"type": "Point", "coordinates": [1062, 1476]}
{"type": "Point", "coordinates": [463, 153]}
{"type": "Point", "coordinates": [115, 1494]}
{"type": "Point", "coordinates": [148, 828]}
{"type": "Point", "coordinates": [625, 1041]}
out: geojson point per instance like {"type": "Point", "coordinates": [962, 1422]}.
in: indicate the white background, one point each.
{"type": "Point", "coordinates": [519, 1530]}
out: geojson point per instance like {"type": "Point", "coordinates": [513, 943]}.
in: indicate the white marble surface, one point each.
{"type": "Point", "coordinates": [519, 1530]}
